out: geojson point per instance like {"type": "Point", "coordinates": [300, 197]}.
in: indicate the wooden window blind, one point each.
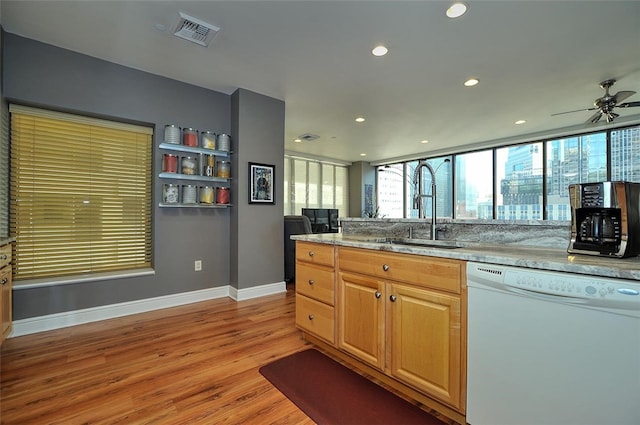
{"type": "Point", "coordinates": [80, 194]}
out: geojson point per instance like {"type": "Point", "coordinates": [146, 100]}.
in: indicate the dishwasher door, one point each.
{"type": "Point", "coordinates": [534, 362]}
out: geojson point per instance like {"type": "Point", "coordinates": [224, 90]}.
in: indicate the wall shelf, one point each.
{"type": "Point", "coordinates": [189, 149]}
{"type": "Point", "coordinates": [199, 179]}
{"type": "Point", "coordinates": [193, 177]}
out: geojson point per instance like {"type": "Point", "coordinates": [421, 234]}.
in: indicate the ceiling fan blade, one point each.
{"type": "Point", "coordinates": [628, 105]}
{"type": "Point", "coordinates": [571, 112]}
{"type": "Point", "coordinates": [594, 118]}
{"type": "Point", "coordinates": [622, 95]}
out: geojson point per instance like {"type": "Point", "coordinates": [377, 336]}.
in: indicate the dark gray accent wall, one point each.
{"type": "Point", "coordinates": [42, 75]}
{"type": "Point", "coordinates": [258, 251]}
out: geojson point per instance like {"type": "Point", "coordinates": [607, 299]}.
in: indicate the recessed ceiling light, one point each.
{"type": "Point", "coordinates": [425, 141]}
{"type": "Point", "coordinates": [379, 51]}
{"type": "Point", "coordinates": [471, 82]}
{"type": "Point", "coordinates": [520, 122]}
{"type": "Point", "coordinates": [363, 154]}
{"type": "Point", "coordinates": [456, 10]}
{"type": "Point", "coordinates": [297, 140]}
{"type": "Point", "coordinates": [360, 119]}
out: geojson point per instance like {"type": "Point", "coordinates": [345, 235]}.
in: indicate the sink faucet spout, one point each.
{"type": "Point", "coordinates": [419, 196]}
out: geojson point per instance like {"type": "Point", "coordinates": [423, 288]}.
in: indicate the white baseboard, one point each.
{"type": "Point", "coordinates": [77, 317]}
{"type": "Point", "coordinates": [258, 291]}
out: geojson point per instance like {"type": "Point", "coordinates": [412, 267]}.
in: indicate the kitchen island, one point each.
{"type": "Point", "coordinates": [396, 309]}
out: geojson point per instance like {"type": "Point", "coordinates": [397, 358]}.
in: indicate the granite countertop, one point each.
{"type": "Point", "coordinates": [551, 259]}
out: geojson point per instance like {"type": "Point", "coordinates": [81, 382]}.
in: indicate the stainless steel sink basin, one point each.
{"type": "Point", "coordinates": [425, 243]}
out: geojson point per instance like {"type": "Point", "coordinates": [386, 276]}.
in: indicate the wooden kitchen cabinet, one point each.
{"type": "Point", "coordinates": [315, 290]}
{"type": "Point", "coordinates": [361, 318]}
{"type": "Point", "coordinates": [426, 341]}
{"type": "Point", "coordinates": [404, 315]}
{"type": "Point", "coordinates": [6, 286]}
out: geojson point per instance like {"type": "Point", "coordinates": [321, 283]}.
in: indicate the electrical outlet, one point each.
{"type": "Point", "coordinates": [197, 265]}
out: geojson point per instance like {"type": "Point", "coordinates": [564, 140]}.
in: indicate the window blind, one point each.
{"type": "Point", "coordinates": [80, 192]}
{"type": "Point", "coordinates": [4, 171]}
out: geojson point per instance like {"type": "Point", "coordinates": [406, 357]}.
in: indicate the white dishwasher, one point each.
{"type": "Point", "coordinates": [551, 348]}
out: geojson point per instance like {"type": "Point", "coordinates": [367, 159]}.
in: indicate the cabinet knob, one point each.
{"type": "Point", "coordinates": [3, 257]}
{"type": "Point", "coordinates": [3, 281]}
{"type": "Point", "coordinates": [378, 294]}
{"type": "Point", "coordinates": [311, 317]}
{"type": "Point", "coordinates": [311, 281]}
{"type": "Point", "coordinates": [385, 267]}
{"type": "Point", "coordinates": [393, 298]}
{"type": "Point", "coordinates": [311, 253]}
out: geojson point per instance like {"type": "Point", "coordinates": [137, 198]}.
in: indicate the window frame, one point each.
{"type": "Point", "coordinates": [503, 212]}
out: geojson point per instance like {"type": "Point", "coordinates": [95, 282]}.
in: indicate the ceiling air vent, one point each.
{"type": "Point", "coordinates": [308, 137]}
{"type": "Point", "coordinates": [195, 30]}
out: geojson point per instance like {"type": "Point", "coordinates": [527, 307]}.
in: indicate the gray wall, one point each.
{"type": "Point", "coordinates": [362, 177]}
{"type": "Point", "coordinates": [258, 251]}
{"type": "Point", "coordinates": [39, 74]}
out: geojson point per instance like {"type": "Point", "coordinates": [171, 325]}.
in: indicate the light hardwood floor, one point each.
{"type": "Point", "coordinates": [195, 364]}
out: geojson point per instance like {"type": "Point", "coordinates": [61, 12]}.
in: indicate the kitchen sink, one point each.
{"type": "Point", "coordinates": [425, 243]}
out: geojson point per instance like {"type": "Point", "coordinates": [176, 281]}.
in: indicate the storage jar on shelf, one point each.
{"type": "Point", "coordinates": [172, 134]}
{"type": "Point", "coordinates": [189, 194]}
{"type": "Point", "coordinates": [208, 165]}
{"type": "Point", "coordinates": [190, 137]}
{"type": "Point", "coordinates": [224, 169]}
{"type": "Point", "coordinates": [223, 142]}
{"type": "Point", "coordinates": [222, 195]}
{"type": "Point", "coordinates": [169, 163]}
{"type": "Point", "coordinates": [208, 140]}
{"type": "Point", "coordinates": [206, 195]}
{"type": "Point", "coordinates": [170, 194]}
{"type": "Point", "coordinates": [189, 165]}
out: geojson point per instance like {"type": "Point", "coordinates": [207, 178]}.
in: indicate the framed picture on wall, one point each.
{"type": "Point", "coordinates": [262, 178]}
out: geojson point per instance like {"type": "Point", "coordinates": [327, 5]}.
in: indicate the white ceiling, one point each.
{"type": "Point", "coordinates": [533, 59]}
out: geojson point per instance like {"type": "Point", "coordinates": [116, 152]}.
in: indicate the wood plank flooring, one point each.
{"type": "Point", "coordinates": [194, 364]}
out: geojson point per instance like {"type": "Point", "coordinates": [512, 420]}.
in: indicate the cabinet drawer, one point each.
{"type": "Point", "coordinates": [315, 253]}
{"type": "Point", "coordinates": [437, 273]}
{"type": "Point", "coordinates": [315, 317]}
{"type": "Point", "coordinates": [5, 255]}
{"type": "Point", "coordinates": [315, 282]}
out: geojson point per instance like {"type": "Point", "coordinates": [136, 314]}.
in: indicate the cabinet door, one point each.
{"type": "Point", "coordinates": [361, 318]}
{"type": "Point", "coordinates": [426, 341]}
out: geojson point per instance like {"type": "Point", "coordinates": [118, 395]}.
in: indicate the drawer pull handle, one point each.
{"type": "Point", "coordinates": [378, 294]}
{"type": "Point", "coordinates": [393, 298]}
{"type": "Point", "coordinates": [311, 317]}
{"type": "Point", "coordinates": [311, 253]}
{"type": "Point", "coordinates": [3, 281]}
{"type": "Point", "coordinates": [311, 281]}
{"type": "Point", "coordinates": [385, 267]}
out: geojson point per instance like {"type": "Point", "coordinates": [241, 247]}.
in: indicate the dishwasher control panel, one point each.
{"type": "Point", "coordinates": [559, 286]}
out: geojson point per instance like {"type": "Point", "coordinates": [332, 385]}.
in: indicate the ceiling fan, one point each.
{"type": "Point", "coordinates": [605, 104]}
